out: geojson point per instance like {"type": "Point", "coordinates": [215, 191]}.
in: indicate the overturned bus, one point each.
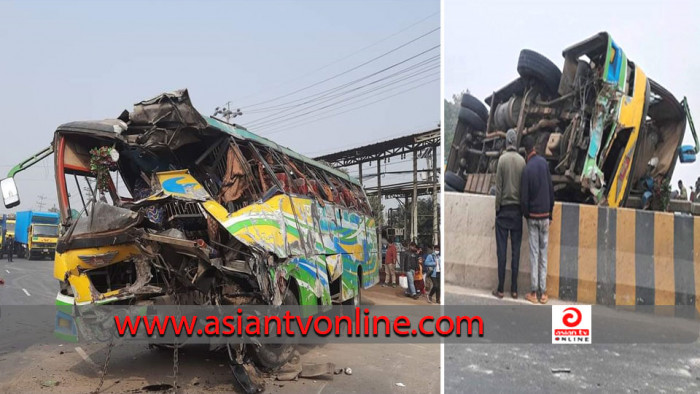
{"type": "Point", "coordinates": [610, 134]}
{"type": "Point", "coordinates": [162, 205]}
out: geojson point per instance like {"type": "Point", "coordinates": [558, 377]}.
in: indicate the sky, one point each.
{"type": "Point", "coordinates": [79, 60]}
{"type": "Point", "coordinates": [482, 41]}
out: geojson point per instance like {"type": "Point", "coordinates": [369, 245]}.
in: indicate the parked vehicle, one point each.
{"type": "Point", "coordinates": [36, 234]}
{"type": "Point", "coordinates": [164, 205]}
{"type": "Point", "coordinates": [610, 134]}
{"type": "Point", "coordinates": [7, 225]}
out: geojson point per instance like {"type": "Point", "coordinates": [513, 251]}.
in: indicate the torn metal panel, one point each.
{"type": "Point", "coordinates": [168, 110]}
{"type": "Point", "coordinates": [104, 218]}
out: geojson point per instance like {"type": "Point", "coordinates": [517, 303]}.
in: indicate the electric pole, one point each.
{"type": "Point", "coordinates": [41, 202]}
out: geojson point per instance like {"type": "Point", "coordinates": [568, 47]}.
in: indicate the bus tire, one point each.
{"type": "Point", "coordinates": [474, 104]}
{"type": "Point", "coordinates": [471, 119]}
{"type": "Point", "coordinates": [455, 181]}
{"type": "Point", "coordinates": [533, 65]}
{"type": "Point", "coordinates": [270, 356]}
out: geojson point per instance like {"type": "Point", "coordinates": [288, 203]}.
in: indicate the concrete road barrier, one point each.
{"type": "Point", "coordinates": [597, 255]}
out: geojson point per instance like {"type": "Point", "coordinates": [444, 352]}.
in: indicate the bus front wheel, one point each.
{"type": "Point", "coordinates": [271, 356]}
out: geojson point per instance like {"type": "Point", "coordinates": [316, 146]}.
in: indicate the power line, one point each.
{"type": "Point", "coordinates": [284, 122]}
{"type": "Point", "coordinates": [285, 118]}
{"type": "Point", "coordinates": [323, 94]}
{"type": "Point", "coordinates": [344, 72]}
{"type": "Point", "coordinates": [282, 118]}
{"type": "Point", "coordinates": [278, 129]}
{"type": "Point", "coordinates": [252, 124]}
{"type": "Point", "coordinates": [347, 56]}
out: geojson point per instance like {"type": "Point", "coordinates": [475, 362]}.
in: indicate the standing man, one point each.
{"type": "Point", "coordinates": [683, 194]}
{"type": "Point", "coordinates": [509, 219]}
{"type": "Point", "coordinates": [410, 266]}
{"type": "Point", "coordinates": [432, 262]}
{"type": "Point", "coordinates": [10, 243]}
{"type": "Point", "coordinates": [537, 199]}
{"type": "Point", "coordinates": [390, 265]}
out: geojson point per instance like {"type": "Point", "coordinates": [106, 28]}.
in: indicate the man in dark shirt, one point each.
{"type": "Point", "coordinates": [537, 200]}
{"type": "Point", "coordinates": [410, 266]}
{"type": "Point", "coordinates": [509, 219]}
{"type": "Point", "coordinates": [10, 245]}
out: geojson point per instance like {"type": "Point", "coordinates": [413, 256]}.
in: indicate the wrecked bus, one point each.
{"type": "Point", "coordinates": [610, 134]}
{"type": "Point", "coordinates": [163, 205]}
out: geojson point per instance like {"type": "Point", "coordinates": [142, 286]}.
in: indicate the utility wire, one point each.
{"type": "Point", "coordinates": [310, 108]}
{"type": "Point", "coordinates": [286, 127]}
{"type": "Point", "coordinates": [322, 94]}
{"type": "Point", "coordinates": [326, 92]}
{"type": "Point", "coordinates": [347, 56]}
{"type": "Point", "coordinates": [344, 72]}
{"type": "Point", "coordinates": [283, 120]}
{"type": "Point", "coordinates": [254, 123]}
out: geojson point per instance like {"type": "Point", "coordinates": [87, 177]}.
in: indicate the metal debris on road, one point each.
{"type": "Point", "coordinates": [561, 370]}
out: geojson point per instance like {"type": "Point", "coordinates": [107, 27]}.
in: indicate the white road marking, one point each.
{"type": "Point", "coordinates": [26, 292]}
{"type": "Point", "coordinates": [85, 357]}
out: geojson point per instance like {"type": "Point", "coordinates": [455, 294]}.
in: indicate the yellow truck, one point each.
{"type": "Point", "coordinates": [36, 234]}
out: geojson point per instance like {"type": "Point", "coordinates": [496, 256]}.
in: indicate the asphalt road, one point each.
{"type": "Point", "coordinates": [526, 368]}
{"type": "Point", "coordinates": [27, 282]}
{"type": "Point", "coordinates": [29, 364]}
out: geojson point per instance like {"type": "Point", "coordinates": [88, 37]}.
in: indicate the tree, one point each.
{"type": "Point", "coordinates": [451, 113]}
{"type": "Point", "coordinates": [399, 217]}
{"type": "Point", "coordinates": [377, 209]}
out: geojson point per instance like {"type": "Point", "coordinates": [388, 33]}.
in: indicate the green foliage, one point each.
{"type": "Point", "coordinates": [100, 164]}
{"type": "Point", "coordinates": [661, 196]}
{"type": "Point", "coordinates": [377, 209]}
{"type": "Point", "coordinates": [401, 216]}
{"type": "Point", "coordinates": [451, 113]}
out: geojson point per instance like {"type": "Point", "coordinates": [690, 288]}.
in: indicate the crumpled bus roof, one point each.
{"type": "Point", "coordinates": [169, 109]}
{"type": "Point", "coordinates": [244, 134]}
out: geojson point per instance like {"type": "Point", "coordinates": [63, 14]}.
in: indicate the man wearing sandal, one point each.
{"type": "Point", "coordinates": [537, 198]}
{"type": "Point", "coordinates": [509, 219]}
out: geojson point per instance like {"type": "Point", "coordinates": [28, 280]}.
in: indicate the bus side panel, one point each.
{"type": "Point", "coordinates": [370, 267]}
{"type": "Point", "coordinates": [312, 280]}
